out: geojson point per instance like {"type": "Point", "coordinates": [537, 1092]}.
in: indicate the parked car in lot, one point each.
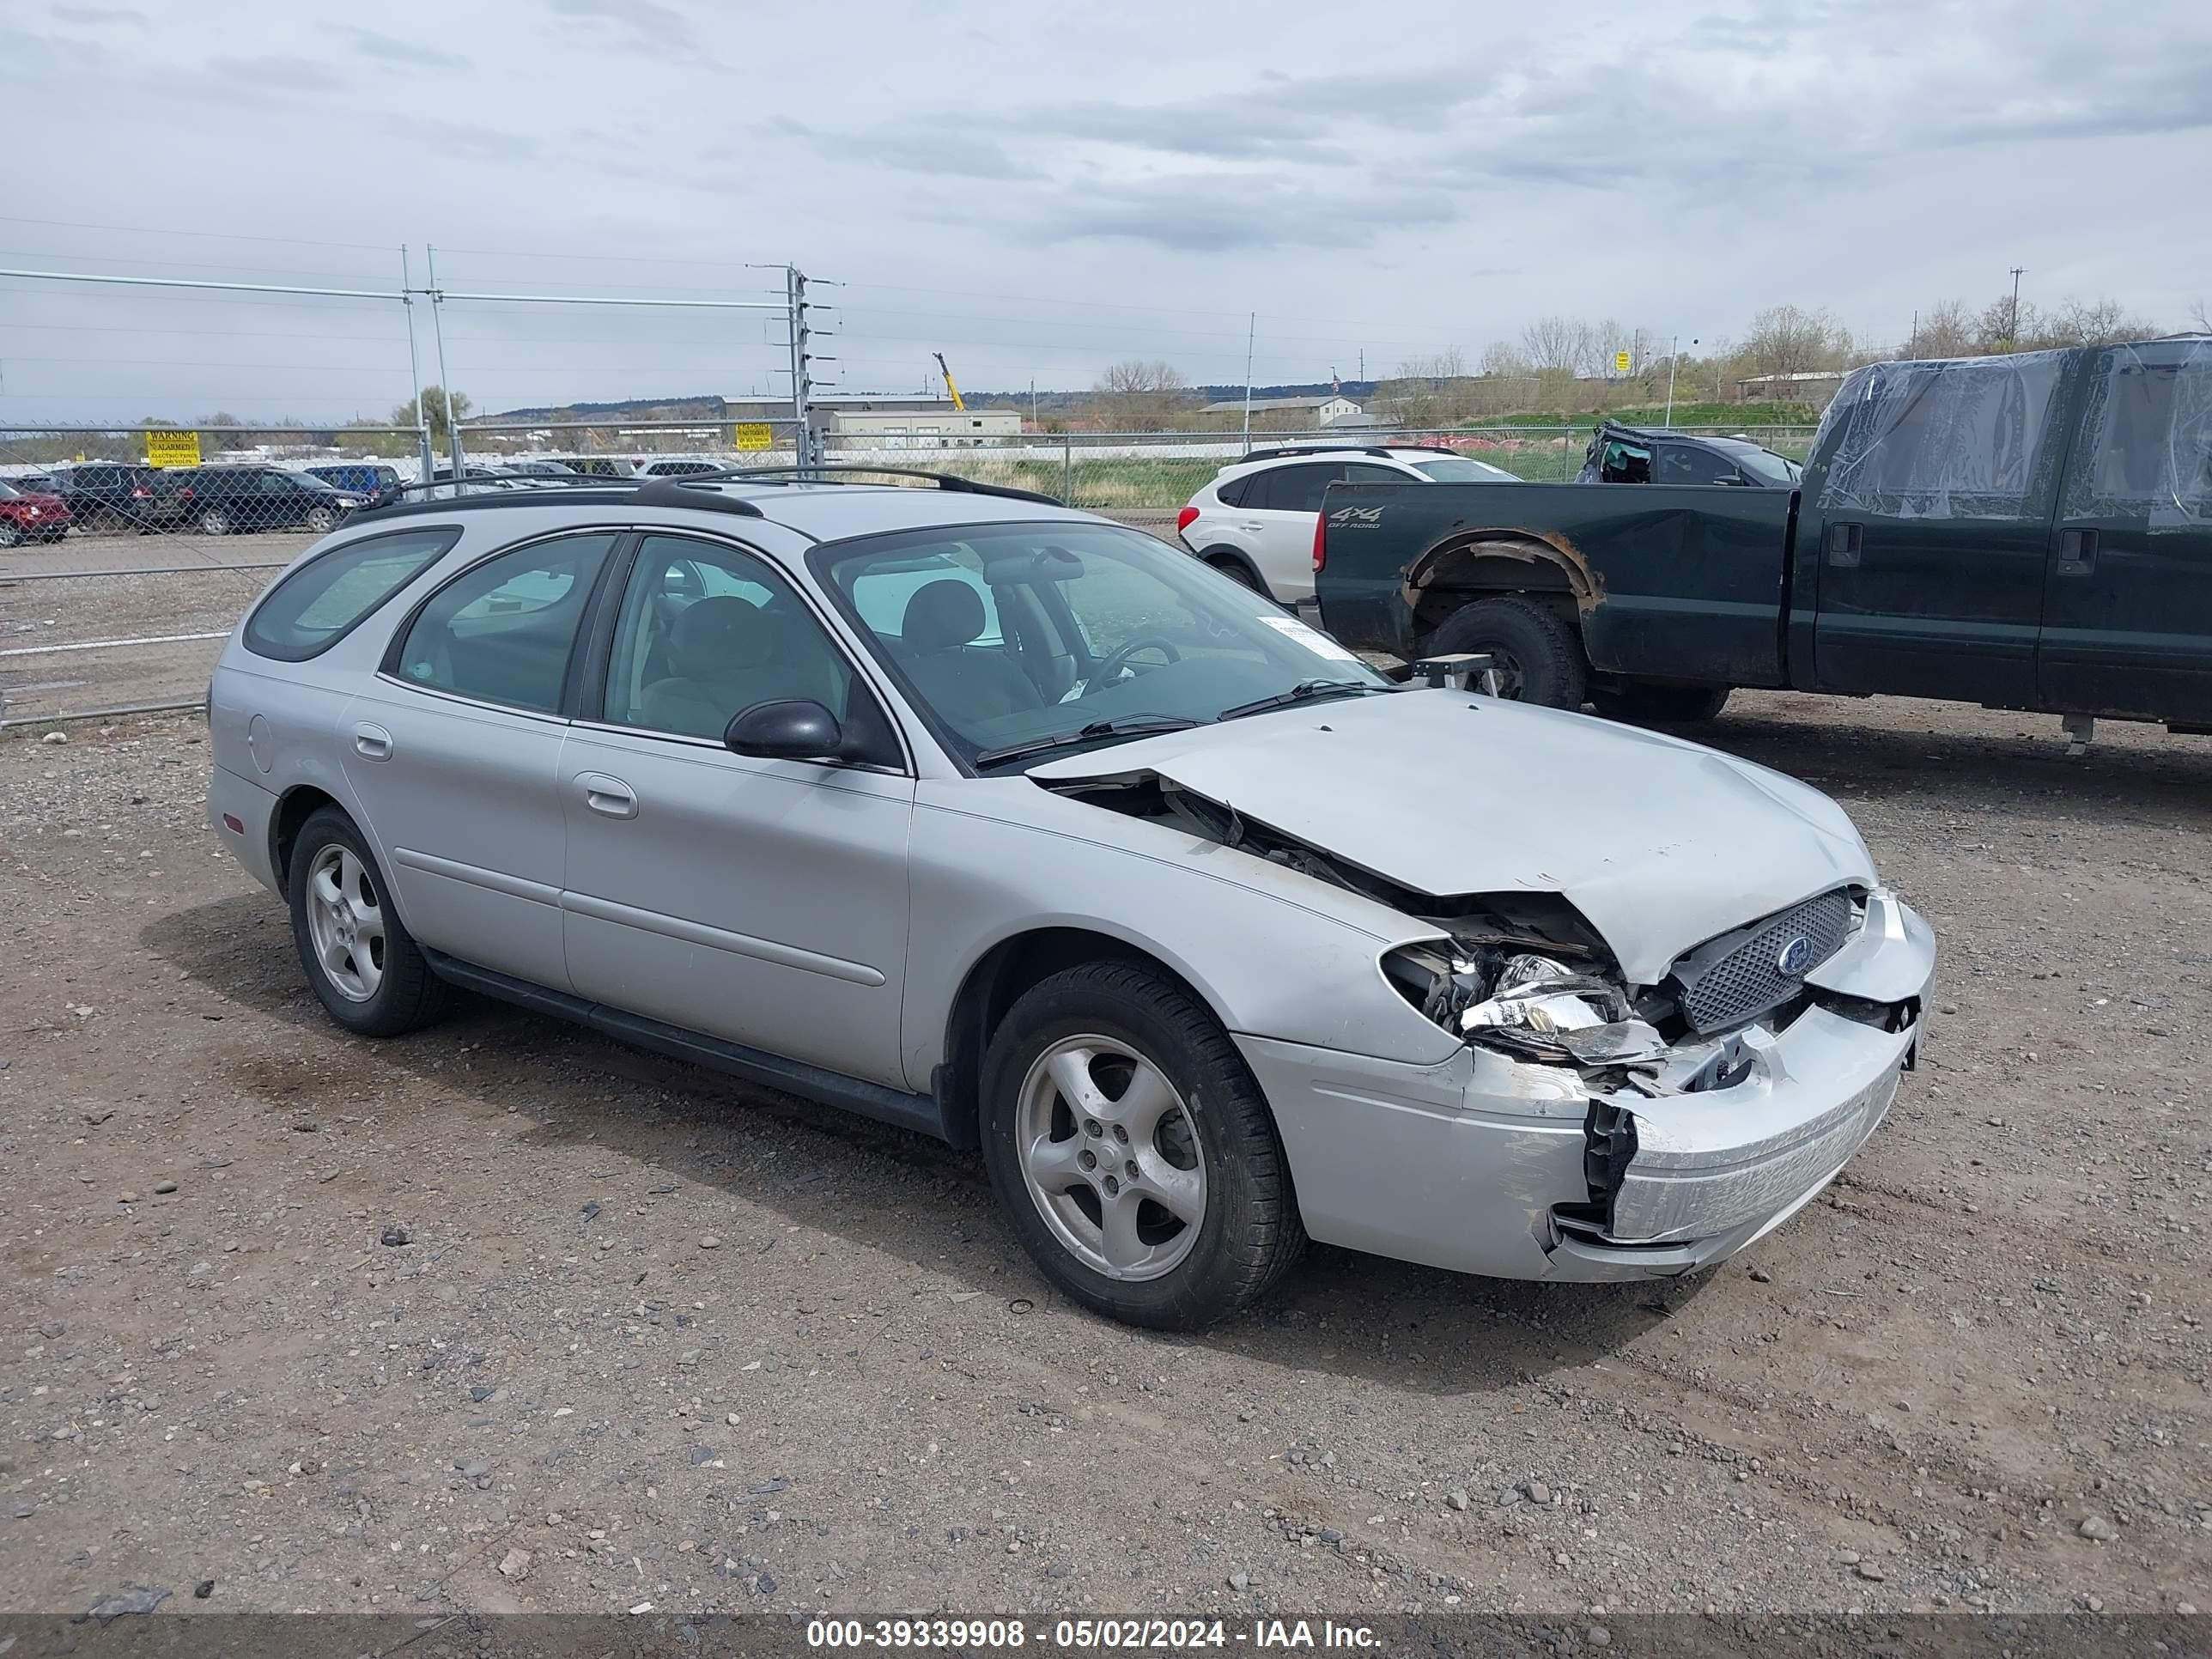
{"type": "Point", "coordinates": [220, 500]}
{"type": "Point", "coordinates": [988, 817]}
{"type": "Point", "coordinates": [115, 496]}
{"type": "Point", "coordinates": [30, 515]}
{"type": "Point", "coordinates": [1255, 522]}
{"type": "Point", "coordinates": [1629, 454]}
{"type": "Point", "coordinates": [374, 481]}
{"type": "Point", "coordinates": [600, 466]}
{"type": "Point", "coordinates": [679, 467]}
{"type": "Point", "coordinates": [2031, 531]}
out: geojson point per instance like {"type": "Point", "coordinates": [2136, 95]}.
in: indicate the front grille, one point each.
{"type": "Point", "coordinates": [1730, 979]}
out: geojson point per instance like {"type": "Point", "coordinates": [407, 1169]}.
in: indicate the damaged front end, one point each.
{"type": "Point", "coordinates": [1714, 1101]}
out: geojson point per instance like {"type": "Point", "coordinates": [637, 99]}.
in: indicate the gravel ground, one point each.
{"type": "Point", "coordinates": [506, 1316]}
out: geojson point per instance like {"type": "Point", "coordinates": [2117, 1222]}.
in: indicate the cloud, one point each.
{"type": "Point", "coordinates": [257, 76]}
{"type": "Point", "coordinates": [95, 16]}
{"type": "Point", "coordinates": [1220, 213]}
{"type": "Point", "coordinates": [395, 51]}
{"type": "Point", "coordinates": [644, 26]}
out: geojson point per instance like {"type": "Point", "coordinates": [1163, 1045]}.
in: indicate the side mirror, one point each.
{"type": "Point", "coordinates": [789, 728]}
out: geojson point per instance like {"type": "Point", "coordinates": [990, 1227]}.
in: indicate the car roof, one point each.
{"type": "Point", "coordinates": [823, 511]}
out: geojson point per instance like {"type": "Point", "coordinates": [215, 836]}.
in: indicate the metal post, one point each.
{"type": "Point", "coordinates": [2013, 332]}
{"type": "Point", "coordinates": [445, 378]}
{"type": "Point", "coordinates": [1251, 333]}
{"type": "Point", "coordinates": [1673, 356]}
{"type": "Point", "coordinates": [1067, 472]}
{"type": "Point", "coordinates": [794, 297]}
{"type": "Point", "coordinates": [430, 461]}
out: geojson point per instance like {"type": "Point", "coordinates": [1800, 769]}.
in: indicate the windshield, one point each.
{"type": "Point", "coordinates": [8, 491]}
{"type": "Point", "coordinates": [1762, 463]}
{"type": "Point", "coordinates": [1457, 469]}
{"type": "Point", "coordinates": [1009, 635]}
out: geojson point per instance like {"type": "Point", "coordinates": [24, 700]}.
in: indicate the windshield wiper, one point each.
{"type": "Point", "coordinates": [1128, 725]}
{"type": "Point", "coordinates": [1303, 691]}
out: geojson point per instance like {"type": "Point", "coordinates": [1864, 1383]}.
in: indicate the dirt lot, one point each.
{"type": "Point", "coordinates": [658, 1337]}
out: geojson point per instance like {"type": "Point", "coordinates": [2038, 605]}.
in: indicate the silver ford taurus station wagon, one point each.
{"type": "Point", "coordinates": [994, 819]}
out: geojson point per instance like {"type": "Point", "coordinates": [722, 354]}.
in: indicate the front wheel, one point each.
{"type": "Point", "coordinates": [321, 521]}
{"type": "Point", "coordinates": [11, 534]}
{"type": "Point", "coordinates": [1132, 1151]}
{"type": "Point", "coordinates": [1642, 703]}
{"type": "Point", "coordinates": [364, 965]}
{"type": "Point", "coordinates": [215, 522]}
{"type": "Point", "coordinates": [1537, 657]}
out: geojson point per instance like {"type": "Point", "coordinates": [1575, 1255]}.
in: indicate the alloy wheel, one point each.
{"type": "Point", "coordinates": [345, 920]}
{"type": "Point", "coordinates": [1111, 1157]}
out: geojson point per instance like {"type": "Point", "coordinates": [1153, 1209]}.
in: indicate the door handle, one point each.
{"type": "Point", "coordinates": [1844, 541]}
{"type": "Point", "coordinates": [372, 743]}
{"type": "Point", "coordinates": [610, 796]}
{"type": "Point", "coordinates": [2077, 552]}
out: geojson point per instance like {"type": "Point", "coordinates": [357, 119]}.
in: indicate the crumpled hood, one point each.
{"type": "Point", "coordinates": [1661, 844]}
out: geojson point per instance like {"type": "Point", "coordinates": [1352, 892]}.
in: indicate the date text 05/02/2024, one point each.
{"type": "Point", "coordinates": [1087, 1634]}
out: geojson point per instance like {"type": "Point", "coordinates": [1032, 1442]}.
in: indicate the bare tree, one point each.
{"type": "Point", "coordinates": [1504, 361]}
{"type": "Point", "coordinates": [1429, 391]}
{"type": "Point", "coordinates": [1946, 329]}
{"type": "Point", "coordinates": [2092, 322]}
{"type": "Point", "coordinates": [1556, 342]}
{"type": "Point", "coordinates": [1139, 395]}
{"type": "Point", "coordinates": [439, 410]}
{"type": "Point", "coordinates": [1790, 340]}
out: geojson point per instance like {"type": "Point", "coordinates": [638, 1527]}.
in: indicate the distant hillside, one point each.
{"type": "Point", "coordinates": [628, 409]}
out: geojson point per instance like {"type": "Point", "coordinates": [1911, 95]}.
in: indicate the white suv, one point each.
{"type": "Point", "coordinates": [1255, 520]}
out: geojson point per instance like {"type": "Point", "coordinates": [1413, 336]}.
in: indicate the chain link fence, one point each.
{"type": "Point", "coordinates": [120, 604]}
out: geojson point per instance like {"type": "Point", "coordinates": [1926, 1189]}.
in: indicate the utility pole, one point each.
{"type": "Point", "coordinates": [1674, 361]}
{"type": "Point", "coordinates": [429, 459]}
{"type": "Point", "coordinates": [445, 377]}
{"type": "Point", "coordinates": [794, 294]}
{"type": "Point", "coordinates": [2012, 329]}
{"type": "Point", "coordinates": [1251, 333]}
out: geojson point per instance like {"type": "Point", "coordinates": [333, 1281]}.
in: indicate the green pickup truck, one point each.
{"type": "Point", "coordinates": [2031, 531]}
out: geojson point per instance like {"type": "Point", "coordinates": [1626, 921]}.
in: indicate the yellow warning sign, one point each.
{"type": "Point", "coordinates": [173, 449]}
{"type": "Point", "coordinates": [1621, 359]}
{"type": "Point", "coordinates": [755, 434]}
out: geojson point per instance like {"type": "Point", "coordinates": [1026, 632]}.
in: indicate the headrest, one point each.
{"type": "Point", "coordinates": [717, 634]}
{"type": "Point", "coordinates": [941, 616]}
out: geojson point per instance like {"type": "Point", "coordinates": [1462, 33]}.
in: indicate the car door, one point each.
{"type": "Point", "coordinates": [760, 901]}
{"type": "Point", "coordinates": [2127, 606]}
{"type": "Point", "coordinates": [454, 751]}
{"type": "Point", "coordinates": [1932, 522]}
{"type": "Point", "coordinates": [1276, 520]}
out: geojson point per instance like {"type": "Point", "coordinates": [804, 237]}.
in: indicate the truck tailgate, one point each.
{"type": "Point", "coordinates": [1676, 581]}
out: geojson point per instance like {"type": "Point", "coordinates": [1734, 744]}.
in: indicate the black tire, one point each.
{"type": "Point", "coordinates": [1540, 660]}
{"type": "Point", "coordinates": [1250, 1233]}
{"type": "Point", "coordinates": [1642, 703]}
{"type": "Point", "coordinates": [1236, 570]}
{"type": "Point", "coordinates": [410, 995]}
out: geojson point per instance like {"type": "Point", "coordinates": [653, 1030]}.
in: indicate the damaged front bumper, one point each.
{"type": "Point", "coordinates": [1486, 1164]}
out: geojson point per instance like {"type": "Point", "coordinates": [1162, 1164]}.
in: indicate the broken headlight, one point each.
{"type": "Point", "coordinates": [1533, 1007]}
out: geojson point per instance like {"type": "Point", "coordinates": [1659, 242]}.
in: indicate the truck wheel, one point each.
{"type": "Point", "coordinates": [1538, 659]}
{"type": "Point", "coordinates": [1645, 704]}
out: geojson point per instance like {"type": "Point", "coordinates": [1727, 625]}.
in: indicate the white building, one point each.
{"type": "Point", "coordinates": [1336, 410]}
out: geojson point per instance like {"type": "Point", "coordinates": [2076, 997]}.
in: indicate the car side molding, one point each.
{"type": "Point", "coordinates": [896, 1106]}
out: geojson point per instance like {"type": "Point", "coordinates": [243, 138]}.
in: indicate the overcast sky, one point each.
{"type": "Point", "coordinates": [1040, 191]}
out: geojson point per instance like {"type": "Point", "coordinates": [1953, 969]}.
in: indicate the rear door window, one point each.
{"type": "Point", "coordinates": [502, 631]}
{"type": "Point", "coordinates": [327, 597]}
{"type": "Point", "coordinates": [1685, 463]}
{"type": "Point", "coordinates": [2146, 446]}
{"type": "Point", "coordinates": [1291, 488]}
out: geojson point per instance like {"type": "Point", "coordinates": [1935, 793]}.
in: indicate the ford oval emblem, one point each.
{"type": "Point", "coordinates": [1796, 957]}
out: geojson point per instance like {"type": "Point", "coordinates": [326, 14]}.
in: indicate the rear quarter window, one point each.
{"type": "Point", "coordinates": [330, 595]}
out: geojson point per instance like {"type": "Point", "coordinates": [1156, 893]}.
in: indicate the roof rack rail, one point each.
{"type": "Point", "coordinates": [817, 472]}
{"type": "Point", "coordinates": [1384, 450]}
{"type": "Point", "coordinates": [529, 490]}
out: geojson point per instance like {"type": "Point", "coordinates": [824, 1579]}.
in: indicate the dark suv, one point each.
{"type": "Point", "coordinates": [221, 500]}
{"type": "Point", "coordinates": [115, 495]}
{"type": "Point", "coordinates": [1629, 454]}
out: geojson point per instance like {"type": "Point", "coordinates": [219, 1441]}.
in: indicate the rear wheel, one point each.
{"type": "Point", "coordinates": [11, 533]}
{"type": "Point", "coordinates": [1234, 569]}
{"type": "Point", "coordinates": [1537, 657]}
{"type": "Point", "coordinates": [1640, 703]}
{"type": "Point", "coordinates": [365, 967]}
{"type": "Point", "coordinates": [215, 522]}
{"type": "Point", "coordinates": [1133, 1153]}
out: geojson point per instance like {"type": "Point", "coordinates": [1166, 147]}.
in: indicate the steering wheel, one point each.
{"type": "Point", "coordinates": [1117, 661]}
